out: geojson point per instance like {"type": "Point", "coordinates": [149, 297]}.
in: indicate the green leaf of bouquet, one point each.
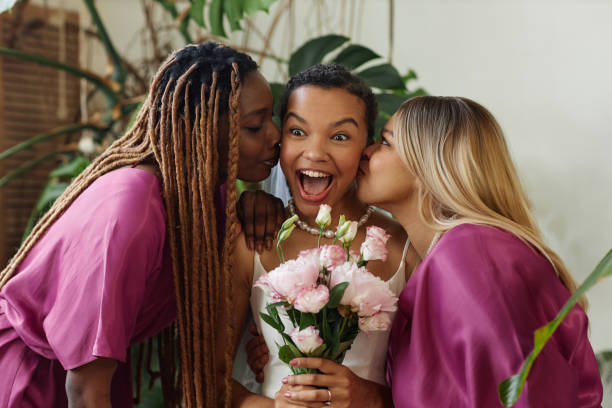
{"type": "Point", "coordinates": [319, 351]}
{"type": "Point", "coordinates": [355, 55]}
{"type": "Point", "coordinates": [325, 331]}
{"type": "Point", "coordinates": [306, 320]}
{"type": "Point", "coordinates": [341, 349]}
{"type": "Point", "coordinates": [273, 311]}
{"type": "Point", "coordinates": [285, 354]}
{"type": "Point", "coordinates": [294, 350]}
{"type": "Point", "coordinates": [313, 51]}
{"type": "Point", "coordinates": [335, 295]}
{"type": "Point", "coordinates": [383, 76]}
{"type": "Point", "coordinates": [510, 389]}
{"type": "Point", "coordinates": [266, 318]}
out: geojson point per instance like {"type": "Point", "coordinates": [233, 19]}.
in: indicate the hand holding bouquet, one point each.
{"type": "Point", "coordinates": [327, 293]}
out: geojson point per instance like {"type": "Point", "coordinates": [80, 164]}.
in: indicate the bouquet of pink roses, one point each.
{"type": "Point", "coordinates": [327, 293]}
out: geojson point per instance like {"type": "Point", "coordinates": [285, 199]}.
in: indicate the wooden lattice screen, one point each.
{"type": "Point", "coordinates": [33, 99]}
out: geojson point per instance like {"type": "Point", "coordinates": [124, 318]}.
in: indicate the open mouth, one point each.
{"type": "Point", "coordinates": [314, 185]}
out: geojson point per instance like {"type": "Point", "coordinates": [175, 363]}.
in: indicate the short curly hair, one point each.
{"type": "Point", "coordinates": [334, 75]}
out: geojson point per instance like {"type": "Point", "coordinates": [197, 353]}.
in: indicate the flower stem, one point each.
{"type": "Point", "coordinates": [279, 252]}
{"type": "Point", "coordinates": [321, 229]}
{"type": "Point", "coordinates": [342, 327]}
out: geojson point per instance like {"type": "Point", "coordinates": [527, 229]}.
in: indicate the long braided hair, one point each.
{"type": "Point", "coordinates": [177, 129]}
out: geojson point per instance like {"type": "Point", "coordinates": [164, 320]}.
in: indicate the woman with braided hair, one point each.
{"type": "Point", "coordinates": [138, 240]}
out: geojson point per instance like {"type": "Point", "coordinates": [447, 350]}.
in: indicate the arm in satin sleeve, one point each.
{"type": "Point", "coordinates": [105, 266]}
{"type": "Point", "coordinates": [475, 311]}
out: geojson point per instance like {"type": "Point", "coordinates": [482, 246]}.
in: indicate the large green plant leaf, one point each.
{"type": "Point", "coordinates": [62, 130]}
{"type": "Point", "coordinates": [355, 55]}
{"type": "Point", "coordinates": [218, 10]}
{"type": "Point", "coordinates": [24, 168]}
{"type": "Point", "coordinates": [215, 17]}
{"type": "Point", "coordinates": [119, 72]}
{"type": "Point", "coordinates": [251, 6]}
{"type": "Point", "coordinates": [604, 362]}
{"type": "Point", "coordinates": [384, 76]}
{"type": "Point", "coordinates": [50, 193]}
{"type": "Point", "coordinates": [108, 87]}
{"type": "Point", "coordinates": [277, 93]}
{"type": "Point", "coordinates": [71, 169]}
{"type": "Point", "coordinates": [233, 11]}
{"type": "Point", "coordinates": [170, 7]}
{"type": "Point", "coordinates": [196, 12]}
{"type": "Point", "coordinates": [388, 103]}
{"type": "Point", "coordinates": [6, 5]}
{"type": "Point", "coordinates": [313, 52]}
{"type": "Point", "coordinates": [510, 389]}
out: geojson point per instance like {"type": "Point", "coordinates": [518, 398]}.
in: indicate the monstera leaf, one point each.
{"type": "Point", "coordinates": [390, 87]}
{"type": "Point", "coordinates": [220, 10]}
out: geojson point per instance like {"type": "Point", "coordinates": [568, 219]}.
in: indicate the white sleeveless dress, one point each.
{"type": "Point", "coordinates": [366, 357]}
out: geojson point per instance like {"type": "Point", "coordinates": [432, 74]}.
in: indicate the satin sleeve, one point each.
{"type": "Point", "coordinates": [466, 322]}
{"type": "Point", "coordinates": [106, 264]}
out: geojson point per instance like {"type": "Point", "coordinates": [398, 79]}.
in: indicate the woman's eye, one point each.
{"type": "Point", "coordinates": [296, 132]}
{"type": "Point", "coordinates": [384, 141]}
{"type": "Point", "coordinates": [253, 129]}
{"type": "Point", "coordinates": [340, 137]}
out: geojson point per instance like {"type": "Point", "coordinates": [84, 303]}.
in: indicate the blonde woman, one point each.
{"type": "Point", "coordinates": [487, 280]}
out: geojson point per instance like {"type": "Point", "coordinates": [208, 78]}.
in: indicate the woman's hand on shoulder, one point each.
{"type": "Point", "coordinates": [336, 384]}
{"type": "Point", "coordinates": [261, 215]}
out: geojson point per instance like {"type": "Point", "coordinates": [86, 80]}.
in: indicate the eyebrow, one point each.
{"type": "Point", "coordinates": [346, 120]}
{"type": "Point", "coordinates": [383, 131]}
{"type": "Point", "coordinates": [336, 124]}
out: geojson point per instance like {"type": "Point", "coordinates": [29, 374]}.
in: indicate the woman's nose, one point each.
{"type": "Point", "coordinates": [315, 149]}
{"type": "Point", "coordinates": [274, 134]}
{"type": "Point", "coordinates": [367, 152]}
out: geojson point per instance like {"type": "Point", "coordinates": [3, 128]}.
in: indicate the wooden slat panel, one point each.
{"type": "Point", "coordinates": [29, 100]}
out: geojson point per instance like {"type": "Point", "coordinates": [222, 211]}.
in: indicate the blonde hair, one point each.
{"type": "Point", "coordinates": [457, 150]}
{"type": "Point", "coordinates": [177, 129]}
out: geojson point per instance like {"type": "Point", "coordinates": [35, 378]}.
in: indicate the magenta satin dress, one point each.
{"type": "Point", "coordinates": [99, 280]}
{"type": "Point", "coordinates": [466, 320]}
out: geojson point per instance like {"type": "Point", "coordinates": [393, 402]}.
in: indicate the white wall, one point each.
{"type": "Point", "coordinates": [543, 67]}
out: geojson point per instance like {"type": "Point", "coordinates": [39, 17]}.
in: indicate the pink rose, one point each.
{"type": "Point", "coordinates": [289, 279]}
{"type": "Point", "coordinates": [306, 340]}
{"type": "Point", "coordinates": [366, 294]}
{"type": "Point", "coordinates": [342, 273]}
{"type": "Point", "coordinates": [379, 322]}
{"type": "Point", "coordinates": [374, 247]}
{"type": "Point", "coordinates": [332, 255]}
{"type": "Point", "coordinates": [313, 300]}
